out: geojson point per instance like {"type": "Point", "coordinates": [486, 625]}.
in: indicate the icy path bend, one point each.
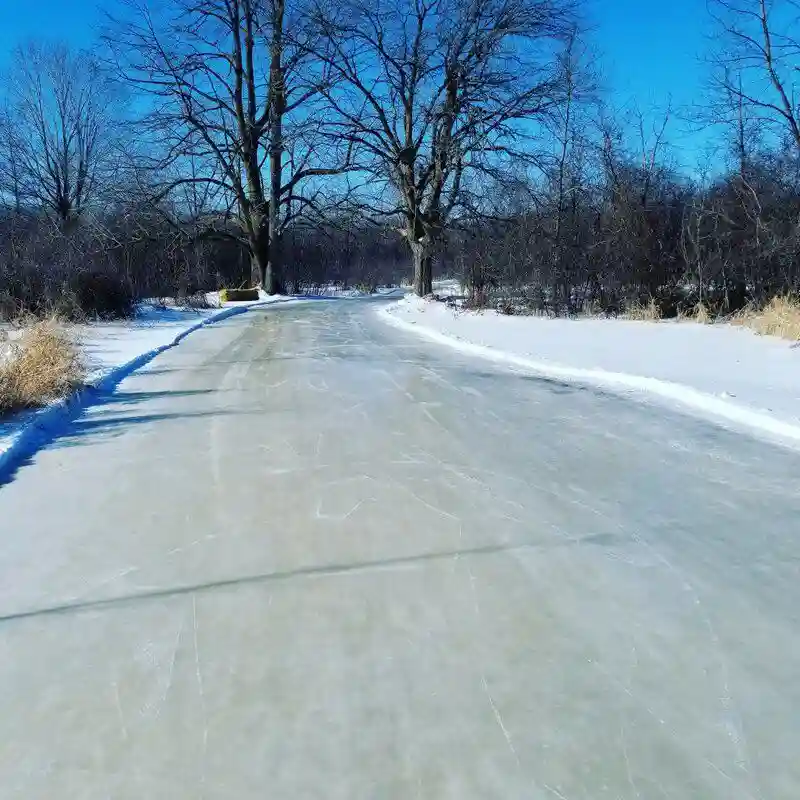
{"type": "Point", "coordinates": [305, 555]}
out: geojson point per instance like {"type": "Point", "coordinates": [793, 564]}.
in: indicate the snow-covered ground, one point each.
{"type": "Point", "coordinates": [106, 345]}
{"type": "Point", "coordinates": [448, 287]}
{"type": "Point", "coordinates": [721, 371]}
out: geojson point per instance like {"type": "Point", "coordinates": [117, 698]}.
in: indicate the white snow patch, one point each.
{"type": "Point", "coordinates": [448, 287]}
{"type": "Point", "coordinates": [106, 345]}
{"type": "Point", "coordinates": [724, 372]}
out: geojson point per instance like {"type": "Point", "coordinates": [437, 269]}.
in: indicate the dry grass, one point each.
{"type": "Point", "coordinates": [699, 313]}
{"type": "Point", "coordinates": [42, 365]}
{"type": "Point", "coordinates": [644, 313]}
{"type": "Point", "coordinates": [781, 317]}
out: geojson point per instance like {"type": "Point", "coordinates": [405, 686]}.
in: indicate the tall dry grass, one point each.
{"type": "Point", "coordinates": [781, 317]}
{"type": "Point", "coordinates": [644, 313]}
{"type": "Point", "coordinates": [699, 313]}
{"type": "Point", "coordinates": [42, 365]}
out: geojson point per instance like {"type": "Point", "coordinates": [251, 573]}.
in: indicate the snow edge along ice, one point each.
{"type": "Point", "coordinates": [46, 423]}
{"type": "Point", "coordinates": [686, 397]}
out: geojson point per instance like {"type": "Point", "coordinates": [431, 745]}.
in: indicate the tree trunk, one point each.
{"type": "Point", "coordinates": [273, 282]}
{"type": "Point", "coordinates": [260, 271]}
{"type": "Point", "coordinates": [423, 268]}
{"type": "Point", "coordinates": [274, 278]}
{"type": "Point", "coordinates": [277, 91]}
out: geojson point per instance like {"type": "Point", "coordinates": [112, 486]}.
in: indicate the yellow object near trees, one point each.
{"type": "Point", "coordinates": [237, 295]}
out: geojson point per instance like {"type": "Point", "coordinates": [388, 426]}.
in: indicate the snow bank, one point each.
{"type": "Point", "coordinates": [113, 351]}
{"type": "Point", "coordinates": [727, 373]}
{"type": "Point", "coordinates": [448, 287]}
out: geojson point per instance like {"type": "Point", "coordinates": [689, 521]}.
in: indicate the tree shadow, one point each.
{"type": "Point", "coordinates": [100, 415]}
{"type": "Point", "coordinates": [114, 425]}
{"type": "Point", "coordinates": [119, 398]}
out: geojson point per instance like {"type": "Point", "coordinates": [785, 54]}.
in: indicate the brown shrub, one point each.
{"type": "Point", "coordinates": [42, 365]}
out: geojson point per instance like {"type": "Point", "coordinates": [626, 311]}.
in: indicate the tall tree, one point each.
{"type": "Point", "coordinates": [569, 124]}
{"type": "Point", "coordinates": [57, 132]}
{"type": "Point", "coordinates": [234, 85]}
{"type": "Point", "coordinates": [10, 166]}
{"type": "Point", "coordinates": [755, 65]}
{"type": "Point", "coordinates": [441, 94]}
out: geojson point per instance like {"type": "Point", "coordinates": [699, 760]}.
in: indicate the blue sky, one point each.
{"type": "Point", "coordinates": [651, 53]}
{"type": "Point", "coordinates": [70, 20]}
{"type": "Point", "coordinates": [649, 48]}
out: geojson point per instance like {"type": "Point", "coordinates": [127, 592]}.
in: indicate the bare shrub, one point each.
{"type": "Point", "coordinates": [66, 276]}
{"type": "Point", "coordinates": [93, 294]}
{"type": "Point", "coordinates": [780, 317]}
{"type": "Point", "coordinates": [42, 365]}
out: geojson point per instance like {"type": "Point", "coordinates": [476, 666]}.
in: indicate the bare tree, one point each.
{"type": "Point", "coordinates": [441, 94]}
{"type": "Point", "coordinates": [57, 130]}
{"type": "Point", "coordinates": [569, 123]}
{"type": "Point", "coordinates": [10, 162]}
{"type": "Point", "coordinates": [754, 67]}
{"type": "Point", "coordinates": [234, 87]}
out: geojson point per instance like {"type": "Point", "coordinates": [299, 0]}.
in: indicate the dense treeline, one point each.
{"type": "Point", "coordinates": [633, 238]}
{"type": "Point", "coordinates": [102, 269]}
{"type": "Point", "coordinates": [222, 143]}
